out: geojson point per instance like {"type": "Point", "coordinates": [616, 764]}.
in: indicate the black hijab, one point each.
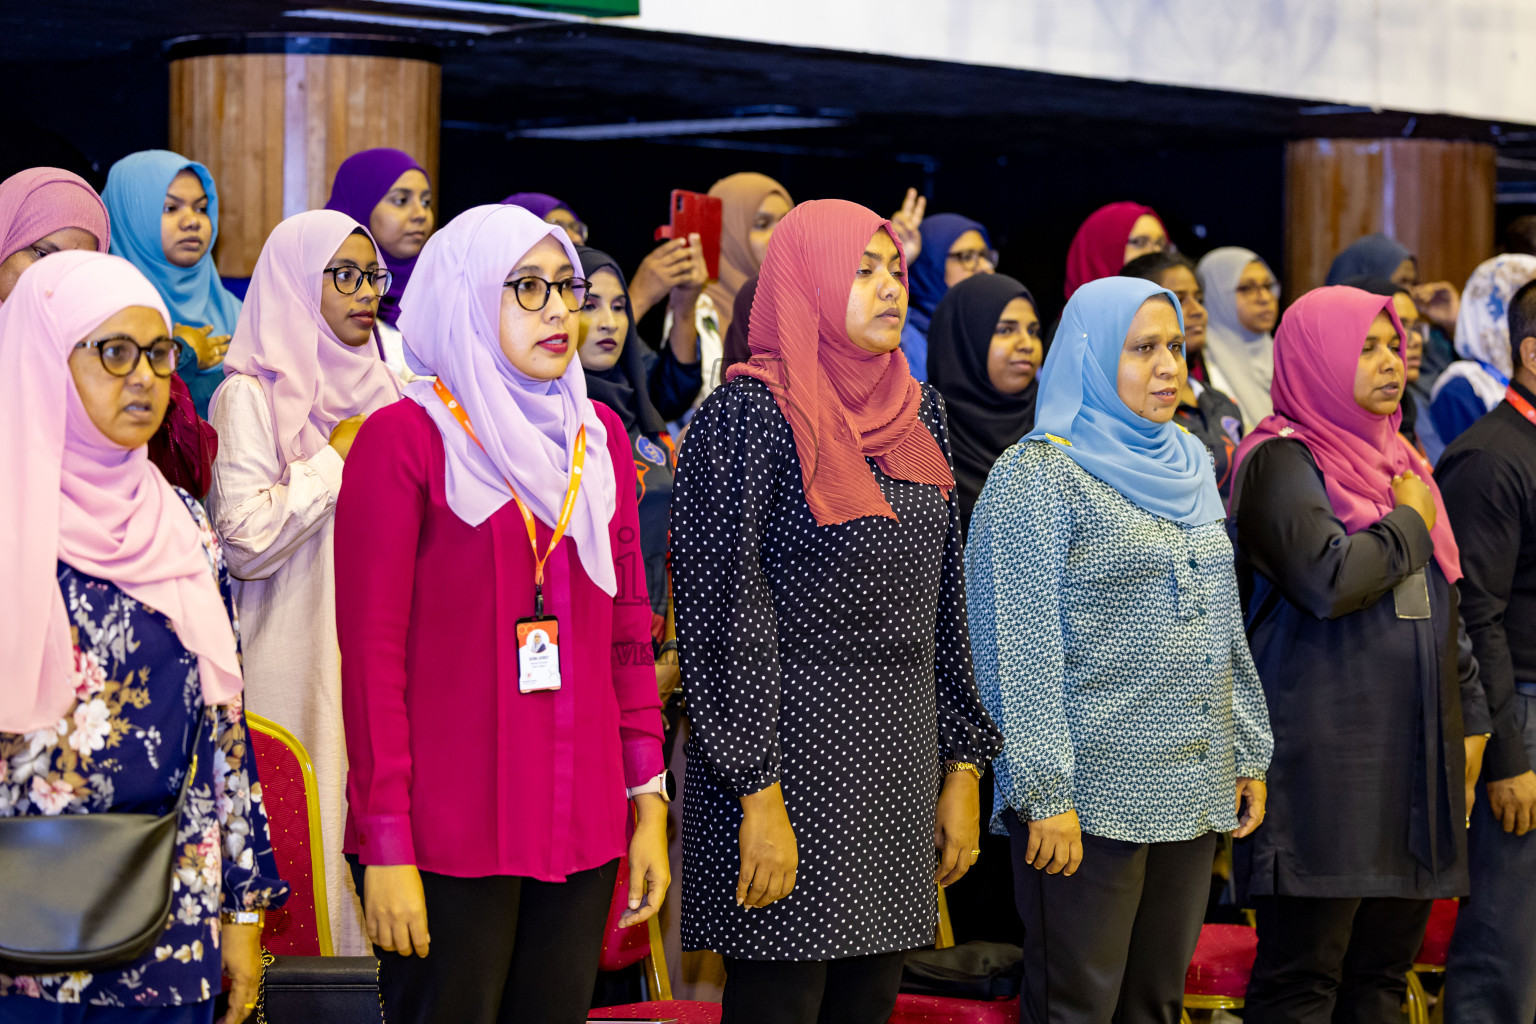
{"type": "Point", "coordinates": [983, 422]}
{"type": "Point", "coordinates": [624, 386]}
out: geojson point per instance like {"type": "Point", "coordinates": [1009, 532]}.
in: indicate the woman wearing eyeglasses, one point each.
{"type": "Point", "coordinates": [1242, 304]}
{"type": "Point", "coordinates": [389, 193]}
{"type": "Point", "coordinates": [495, 632]}
{"type": "Point", "coordinates": [303, 374]}
{"type": "Point", "coordinates": [953, 249]}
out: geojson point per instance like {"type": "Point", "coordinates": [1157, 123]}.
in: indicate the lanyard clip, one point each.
{"type": "Point", "coordinates": [538, 600]}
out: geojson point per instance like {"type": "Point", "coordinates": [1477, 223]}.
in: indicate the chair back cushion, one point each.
{"type": "Point", "coordinates": [280, 763]}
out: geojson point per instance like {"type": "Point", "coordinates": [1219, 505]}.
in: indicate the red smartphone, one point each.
{"type": "Point", "coordinates": [696, 213]}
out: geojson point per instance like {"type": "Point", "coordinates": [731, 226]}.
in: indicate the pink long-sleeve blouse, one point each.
{"type": "Point", "coordinates": [451, 767]}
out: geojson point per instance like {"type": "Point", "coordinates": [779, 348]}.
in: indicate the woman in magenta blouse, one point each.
{"type": "Point", "coordinates": [490, 777]}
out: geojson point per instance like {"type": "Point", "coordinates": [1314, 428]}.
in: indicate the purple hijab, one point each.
{"type": "Point", "coordinates": [361, 181]}
{"type": "Point", "coordinates": [538, 203]}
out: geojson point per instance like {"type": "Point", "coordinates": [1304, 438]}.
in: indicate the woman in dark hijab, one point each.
{"type": "Point", "coordinates": [954, 248]}
{"type": "Point", "coordinates": [984, 356]}
{"type": "Point", "coordinates": [646, 390]}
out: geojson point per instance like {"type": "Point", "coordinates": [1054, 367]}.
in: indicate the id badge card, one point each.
{"type": "Point", "coordinates": [538, 654]}
{"type": "Point", "coordinates": [1412, 597]}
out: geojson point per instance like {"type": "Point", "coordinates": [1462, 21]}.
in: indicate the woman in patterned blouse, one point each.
{"type": "Point", "coordinates": [122, 668]}
{"type": "Point", "coordinates": [1109, 646]}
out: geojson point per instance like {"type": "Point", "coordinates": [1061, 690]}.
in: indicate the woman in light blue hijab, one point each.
{"type": "Point", "coordinates": [165, 218]}
{"type": "Point", "coordinates": [1108, 644]}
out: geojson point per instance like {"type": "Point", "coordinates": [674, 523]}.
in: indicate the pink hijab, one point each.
{"type": "Point", "coordinates": [78, 498]}
{"type": "Point", "coordinates": [1317, 352]}
{"type": "Point", "coordinates": [450, 315]}
{"type": "Point", "coordinates": [41, 200]}
{"type": "Point", "coordinates": [842, 402]}
{"type": "Point", "coordinates": [311, 378]}
{"type": "Point", "coordinates": [1098, 248]}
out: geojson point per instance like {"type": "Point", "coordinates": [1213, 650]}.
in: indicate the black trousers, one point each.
{"type": "Point", "coordinates": [856, 990]}
{"type": "Point", "coordinates": [1333, 961]}
{"type": "Point", "coordinates": [1113, 941]}
{"type": "Point", "coordinates": [505, 950]}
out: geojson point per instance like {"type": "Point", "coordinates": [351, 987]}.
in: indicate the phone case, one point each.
{"type": "Point", "coordinates": [696, 213]}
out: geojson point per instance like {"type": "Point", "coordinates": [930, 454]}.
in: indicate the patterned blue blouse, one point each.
{"type": "Point", "coordinates": [125, 746]}
{"type": "Point", "coordinates": [1109, 646]}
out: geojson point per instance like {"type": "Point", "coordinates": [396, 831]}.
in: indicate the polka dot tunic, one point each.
{"type": "Point", "coordinates": [831, 659]}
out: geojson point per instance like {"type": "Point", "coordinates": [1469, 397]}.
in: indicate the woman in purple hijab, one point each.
{"type": "Point", "coordinates": [388, 192]}
{"type": "Point", "coordinates": [551, 211]}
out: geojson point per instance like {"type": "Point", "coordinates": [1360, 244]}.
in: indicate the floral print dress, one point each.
{"type": "Point", "coordinates": [125, 746]}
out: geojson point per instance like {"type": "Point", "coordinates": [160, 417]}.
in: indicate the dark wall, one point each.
{"type": "Point", "coordinates": [1031, 201]}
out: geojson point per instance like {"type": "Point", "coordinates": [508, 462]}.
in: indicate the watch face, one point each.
{"type": "Point", "coordinates": [669, 782]}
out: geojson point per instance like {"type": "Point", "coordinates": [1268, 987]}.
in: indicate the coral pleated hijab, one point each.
{"type": "Point", "coordinates": [78, 498]}
{"type": "Point", "coordinates": [843, 403]}
{"type": "Point", "coordinates": [1317, 353]}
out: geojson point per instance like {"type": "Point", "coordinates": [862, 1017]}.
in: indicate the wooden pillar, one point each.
{"type": "Point", "coordinates": [1433, 196]}
{"type": "Point", "coordinates": [273, 116]}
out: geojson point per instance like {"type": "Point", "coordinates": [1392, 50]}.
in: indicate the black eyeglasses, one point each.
{"type": "Point", "coordinates": [533, 292]}
{"type": "Point", "coordinates": [349, 279]}
{"type": "Point", "coordinates": [120, 354]}
{"type": "Point", "coordinates": [968, 258]}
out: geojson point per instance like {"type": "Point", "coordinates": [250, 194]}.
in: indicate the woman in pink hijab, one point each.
{"type": "Point", "coordinates": [302, 373]}
{"type": "Point", "coordinates": [44, 210]}
{"type": "Point", "coordinates": [1110, 238]}
{"type": "Point", "coordinates": [1348, 565]}
{"type": "Point", "coordinates": [121, 663]}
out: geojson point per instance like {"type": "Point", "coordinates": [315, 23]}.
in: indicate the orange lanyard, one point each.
{"type": "Point", "coordinates": [578, 459]}
{"type": "Point", "coordinates": [1517, 400]}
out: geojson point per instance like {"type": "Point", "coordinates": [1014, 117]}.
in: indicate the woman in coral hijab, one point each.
{"type": "Point", "coordinates": [122, 671]}
{"type": "Point", "coordinates": [821, 626]}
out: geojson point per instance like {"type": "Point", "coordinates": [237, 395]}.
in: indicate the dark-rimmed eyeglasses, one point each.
{"type": "Point", "coordinates": [349, 279]}
{"type": "Point", "coordinates": [968, 258]}
{"type": "Point", "coordinates": [120, 354]}
{"type": "Point", "coordinates": [1258, 289]}
{"type": "Point", "coordinates": [533, 292]}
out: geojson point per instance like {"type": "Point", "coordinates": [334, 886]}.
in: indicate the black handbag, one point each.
{"type": "Point", "coordinates": [334, 989]}
{"type": "Point", "coordinates": [971, 970]}
{"type": "Point", "coordinates": [85, 891]}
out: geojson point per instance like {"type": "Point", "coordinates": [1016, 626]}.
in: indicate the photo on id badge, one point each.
{"type": "Point", "coordinates": [538, 655]}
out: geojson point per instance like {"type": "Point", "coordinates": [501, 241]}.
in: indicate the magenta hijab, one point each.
{"type": "Point", "coordinates": [450, 316]}
{"type": "Point", "coordinates": [311, 378]}
{"type": "Point", "coordinates": [38, 201]}
{"type": "Point", "coordinates": [1317, 352]}
{"type": "Point", "coordinates": [78, 498]}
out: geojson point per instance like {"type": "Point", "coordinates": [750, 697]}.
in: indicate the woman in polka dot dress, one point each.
{"type": "Point", "coordinates": [837, 735]}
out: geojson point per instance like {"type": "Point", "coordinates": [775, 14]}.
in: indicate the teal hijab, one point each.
{"type": "Point", "coordinates": [135, 195]}
{"type": "Point", "coordinates": [1159, 466]}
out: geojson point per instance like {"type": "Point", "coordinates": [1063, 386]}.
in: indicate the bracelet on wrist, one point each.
{"type": "Point", "coordinates": [240, 917]}
{"type": "Point", "coordinates": [950, 767]}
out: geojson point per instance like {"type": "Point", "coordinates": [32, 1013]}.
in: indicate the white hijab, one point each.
{"type": "Point", "coordinates": [1242, 362]}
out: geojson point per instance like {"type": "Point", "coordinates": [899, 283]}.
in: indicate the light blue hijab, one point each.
{"type": "Point", "coordinates": [135, 195]}
{"type": "Point", "coordinates": [1159, 466]}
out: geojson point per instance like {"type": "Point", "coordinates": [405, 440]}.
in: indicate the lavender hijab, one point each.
{"type": "Point", "coordinates": [362, 180]}
{"type": "Point", "coordinates": [451, 317]}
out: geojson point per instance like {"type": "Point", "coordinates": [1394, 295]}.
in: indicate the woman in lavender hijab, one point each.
{"type": "Point", "coordinates": [390, 194]}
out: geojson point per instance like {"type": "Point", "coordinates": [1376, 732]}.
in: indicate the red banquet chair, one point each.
{"type": "Point", "coordinates": [302, 927]}
{"type": "Point", "coordinates": [1218, 973]}
{"type": "Point", "coordinates": [625, 947]}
